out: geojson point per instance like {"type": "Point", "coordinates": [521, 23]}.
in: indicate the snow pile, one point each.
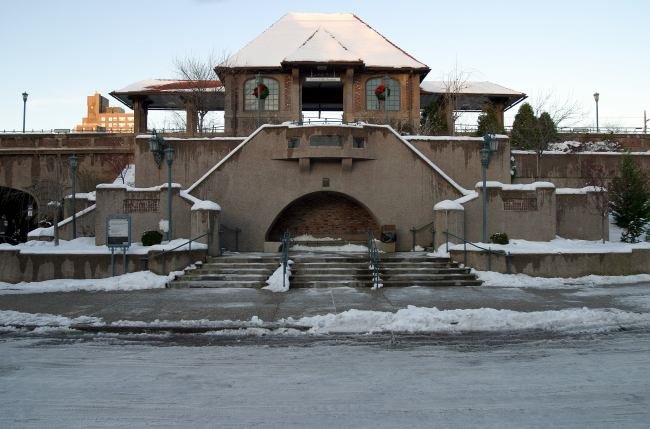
{"type": "Point", "coordinates": [86, 245]}
{"type": "Point", "coordinates": [559, 246]}
{"type": "Point", "coordinates": [15, 318]}
{"type": "Point", "coordinates": [131, 281]}
{"type": "Point", "coordinates": [491, 278]}
{"type": "Point", "coordinates": [574, 146]}
{"type": "Point", "coordinates": [342, 248]}
{"type": "Point", "coordinates": [275, 281]}
{"type": "Point", "coordinates": [417, 319]}
{"type": "Point", "coordinates": [309, 237]}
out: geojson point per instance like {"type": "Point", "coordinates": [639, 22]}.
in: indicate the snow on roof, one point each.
{"type": "Point", "coordinates": [470, 87]}
{"type": "Point", "coordinates": [342, 36]}
{"type": "Point", "coordinates": [322, 46]}
{"type": "Point", "coordinates": [170, 85]}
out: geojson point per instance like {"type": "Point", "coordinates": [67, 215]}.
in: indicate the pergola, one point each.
{"type": "Point", "coordinates": [166, 94]}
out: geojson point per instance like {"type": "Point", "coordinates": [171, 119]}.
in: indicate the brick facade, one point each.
{"type": "Point", "coordinates": [324, 214]}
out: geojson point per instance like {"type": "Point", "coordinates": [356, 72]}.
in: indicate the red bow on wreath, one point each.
{"type": "Point", "coordinates": [261, 91]}
{"type": "Point", "coordinates": [382, 91]}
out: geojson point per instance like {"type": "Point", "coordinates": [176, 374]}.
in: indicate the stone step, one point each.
{"type": "Point", "coordinates": [234, 270]}
{"type": "Point", "coordinates": [327, 284]}
{"type": "Point", "coordinates": [227, 277]}
{"type": "Point", "coordinates": [185, 284]}
{"type": "Point", "coordinates": [434, 283]}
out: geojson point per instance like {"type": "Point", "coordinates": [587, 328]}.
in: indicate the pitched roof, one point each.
{"type": "Point", "coordinates": [322, 37]}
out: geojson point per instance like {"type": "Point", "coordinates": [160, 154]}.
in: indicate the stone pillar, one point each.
{"type": "Point", "coordinates": [296, 93]}
{"type": "Point", "coordinates": [348, 95]}
{"type": "Point", "coordinates": [499, 107]}
{"type": "Point", "coordinates": [191, 118]}
{"type": "Point", "coordinates": [206, 220]}
{"type": "Point", "coordinates": [448, 216]}
{"type": "Point", "coordinates": [140, 113]}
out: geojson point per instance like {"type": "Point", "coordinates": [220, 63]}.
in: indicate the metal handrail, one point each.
{"type": "Point", "coordinates": [286, 242]}
{"type": "Point", "coordinates": [414, 230]}
{"type": "Point", "coordinates": [489, 251]}
{"type": "Point", "coordinates": [163, 252]}
{"type": "Point", "coordinates": [374, 260]}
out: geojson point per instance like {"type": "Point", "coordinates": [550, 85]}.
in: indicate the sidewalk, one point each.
{"type": "Point", "coordinates": [243, 304]}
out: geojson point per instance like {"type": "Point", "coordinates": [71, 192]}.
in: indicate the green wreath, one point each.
{"type": "Point", "coordinates": [382, 91]}
{"type": "Point", "coordinates": [261, 91]}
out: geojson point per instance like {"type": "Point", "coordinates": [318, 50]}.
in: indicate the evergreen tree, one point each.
{"type": "Point", "coordinates": [525, 130]}
{"type": "Point", "coordinates": [630, 200]}
{"type": "Point", "coordinates": [488, 122]}
{"type": "Point", "coordinates": [434, 121]}
{"type": "Point", "coordinates": [547, 129]}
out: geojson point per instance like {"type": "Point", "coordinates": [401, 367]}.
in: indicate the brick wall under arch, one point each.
{"type": "Point", "coordinates": [324, 214]}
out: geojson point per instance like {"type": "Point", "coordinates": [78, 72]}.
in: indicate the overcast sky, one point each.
{"type": "Point", "coordinates": [62, 51]}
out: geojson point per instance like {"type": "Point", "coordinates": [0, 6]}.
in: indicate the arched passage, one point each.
{"type": "Point", "coordinates": [17, 215]}
{"type": "Point", "coordinates": [324, 214]}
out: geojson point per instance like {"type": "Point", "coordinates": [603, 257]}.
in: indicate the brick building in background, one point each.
{"type": "Point", "coordinates": [102, 117]}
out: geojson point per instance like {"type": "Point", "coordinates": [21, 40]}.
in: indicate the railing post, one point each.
{"type": "Point", "coordinates": [508, 263]}
{"type": "Point", "coordinates": [237, 230]}
{"type": "Point", "coordinates": [447, 241]}
{"type": "Point", "coordinates": [489, 259]}
{"type": "Point", "coordinates": [433, 239]}
{"type": "Point", "coordinates": [413, 238]}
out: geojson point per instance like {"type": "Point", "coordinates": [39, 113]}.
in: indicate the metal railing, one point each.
{"type": "Point", "coordinates": [489, 251]}
{"type": "Point", "coordinates": [145, 261]}
{"type": "Point", "coordinates": [473, 128]}
{"type": "Point", "coordinates": [374, 261]}
{"type": "Point", "coordinates": [286, 243]}
{"type": "Point", "coordinates": [415, 230]}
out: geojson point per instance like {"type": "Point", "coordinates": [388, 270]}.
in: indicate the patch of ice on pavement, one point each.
{"type": "Point", "coordinates": [15, 318]}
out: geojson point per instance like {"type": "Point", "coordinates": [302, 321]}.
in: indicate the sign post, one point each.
{"type": "Point", "coordinates": [118, 236]}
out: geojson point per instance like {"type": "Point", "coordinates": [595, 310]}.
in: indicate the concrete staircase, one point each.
{"type": "Point", "coordinates": [246, 270]}
{"type": "Point", "coordinates": [417, 269]}
{"type": "Point", "coordinates": [327, 269]}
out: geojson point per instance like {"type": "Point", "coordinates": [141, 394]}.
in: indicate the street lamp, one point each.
{"type": "Point", "coordinates": [596, 97]}
{"type": "Point", "coordinates": [24, 109]}
{"type": "Point", "coordinates": [74, 163]}
{"type": "Point", "coordinates": [489, 146]}
{"type": "Point", "coordinates": [161, 149]}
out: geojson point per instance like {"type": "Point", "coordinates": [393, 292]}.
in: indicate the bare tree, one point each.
{"type": "Point", "coordinates": [598, 181]}
{"type": "Point", "coordinates": [202, 78]}
{"type": "Point", "coordinates": [564, 111]}
{"type": "Point", "coordinates": [117, 166]}
{"type": "Point", "coordinates": [454, 83]}
{"type": "Point", "coordinates": [50, 194]}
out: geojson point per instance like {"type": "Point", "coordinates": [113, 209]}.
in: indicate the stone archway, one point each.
{"type": "Point", "coordinates": [18, 210]}
{"type": "Point", "coordinates": [324, 214]}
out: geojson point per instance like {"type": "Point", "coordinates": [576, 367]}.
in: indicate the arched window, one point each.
{"type": "Point", "coordinates": [392, 100]}
{"type": "Point", "coordinates": [271, 102]}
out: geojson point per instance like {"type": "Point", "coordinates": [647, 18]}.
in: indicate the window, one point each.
{"type": "Point", "coordinates": [326, 140]}
{"type": "Point", "coordinates": [271, 102]}
{"type": "Point", "coordinates": [392, 101]}
{"type": "Point", "coordinates": [358, 142]}
{"type": "Point", "coordinates": [293, 143]}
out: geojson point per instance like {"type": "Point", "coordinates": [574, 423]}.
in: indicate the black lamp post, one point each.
{"type": "Point", "coordinates": [160, 149]}
{"type": "Point", "coordinates": [597, 97]}
{"type": "Point", "coordinates": [489, 146]}
{"type": "Point", "coordinates": [24, 109]}
{"type": "Point", "coordinates": [74, 163]}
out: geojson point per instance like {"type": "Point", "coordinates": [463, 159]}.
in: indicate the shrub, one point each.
{"type": "Point", "coordinates": [499, 238]}
{"type": "Point", "coordinates": [630, 200]}
{"type": "Point", "coordinates": [149, 238]}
